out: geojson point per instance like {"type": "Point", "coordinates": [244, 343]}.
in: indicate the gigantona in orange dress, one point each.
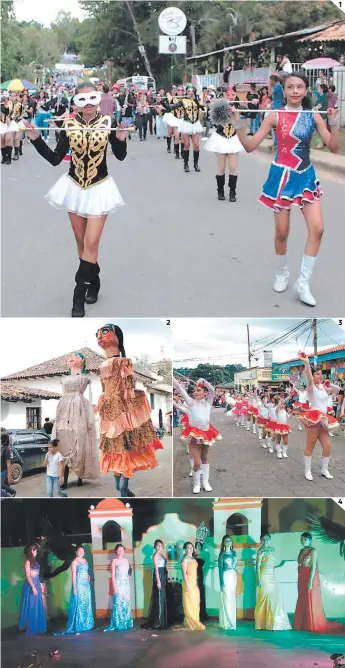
{"type": "Point", "coordinates": [128, 438]}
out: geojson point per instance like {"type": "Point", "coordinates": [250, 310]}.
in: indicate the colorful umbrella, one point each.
{"type": "Point", "coordinates": [18, 85]}
{"type": "Point", "coordinates": [320, 64]}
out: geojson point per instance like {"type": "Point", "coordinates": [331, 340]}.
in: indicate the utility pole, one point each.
{"type": "Point", "coordinates": [192, 36]}
{"type": "Point", "coordinates": [314, 326]}
{"type": "Point", "coordinates": [249, 355]}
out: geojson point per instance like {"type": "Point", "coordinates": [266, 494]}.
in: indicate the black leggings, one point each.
{"type": "Point", "coordinates": [142, 125]}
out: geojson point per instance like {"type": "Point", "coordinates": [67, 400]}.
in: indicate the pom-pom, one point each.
{"type": "Point", "coordinates": [220, 113]}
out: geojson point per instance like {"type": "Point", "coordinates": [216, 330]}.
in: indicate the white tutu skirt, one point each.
{"type": "Point", "coordinates": [187, 128]}
{"type": "Point", "coordinates": [10, 127]}
{"type": "Point", "coordinates": [95, 201]}
{"type": "Point", "coordinates": [171, 120]}
{"type": "Point", "coordinates": [218, 144]}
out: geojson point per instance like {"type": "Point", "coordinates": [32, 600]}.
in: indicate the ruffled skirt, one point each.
{"type": "Point", "coordinates": [188, 128]}
{"type": "Point", "coordinates": [315, 418]}
{"type": "Point", "coordinates": [286, 187]}
{"type": "Point", "coordinates": [252, 410]}
{"type": "Point", "coordinates": [95, 201]}
{"type": "Point", "coordinates": [218, 144]}
{"type": "Point", "coordinates": [203, 437]}
{"type": "Point", "coordinates": [172, 120]}
{"type": "Point", "coordinates": [262, 422]}
{"type": "Point", "coordinates": [11, 127]}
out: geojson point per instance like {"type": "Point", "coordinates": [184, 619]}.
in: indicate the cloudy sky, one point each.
{"type": "Point", "coordinates": [46, 12]}
{"type": "Point", "coordinates": [198, 340]}
{"type": "Point", "coordinates": [29, 341]}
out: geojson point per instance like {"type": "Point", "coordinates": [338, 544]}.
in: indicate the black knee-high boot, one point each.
{"type": "Point", "coordinates": [177, 151]}
{"type": "Point", "coordinates": [65, 478]}
{"type": "Point", "coordinates": [196, 160]}
{"type": "Point", "coordinates": [220, 186]}
{"type": "Point", "coordinates": [169, 144]}
{"type": "Point", "coordinates": [186, 159]}
{"type": "Point", "coordinates": [232, 186]}
{"type": "Point", "coordinates": [4, 155]}
{"type": "Point", "coordinates": [16, 153]}
{"type": "Point", "coordinates": [83, 279]}
{"type": "Point", "coordinates": [21, 147]}
{"type": "Point", "coordinates": [94, 287]}
{"type": "Point", "coordinates": [8, 155]}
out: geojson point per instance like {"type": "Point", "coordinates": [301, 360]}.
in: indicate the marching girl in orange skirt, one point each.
{"type": "Point", "coordinates": [316, 418]}
{"type": "Point", "coordinates": [301, 405]}
{"type": "Point", "coordinates": [199, 432]}
{"type": "Point", "coordinates": [237, 411]}
{"type": "Point", "coordinates": [262, 421]}
{"type": "Point", "coordinates": [253, 412]}
{"type": "Point", "coordinates": [282, 430]}
{"type": "Point", "coordinates": [271, 423]}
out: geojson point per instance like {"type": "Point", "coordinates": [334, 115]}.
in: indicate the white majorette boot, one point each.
{"type": "Point", "coordinates": [285, 454]}
{"type": "Point", "coordinates": [302, 289]}
{"type": "Point", "coordinates": [307, 467]}
{"type": "Point", "coordinates": [324, 468]}
{"type": "Point", "coordinates": [279, 451]}
{"type": "Point", "coordinates": [254, 427]}
{"type": "Point", "coordinates": [196, 481]}
{"type": "Point", "coordinates": [248, 426]}
{"type": "Point", "coordinates": [205, 472]}
{"type": "Point", "coordinates": [282, 276]}
{"type": "Point", "coordinates": [260, 433]}
{"type": "Point", "coordinates": [191, 461]}
{"type": "Point", "coordinates": [300, 428]}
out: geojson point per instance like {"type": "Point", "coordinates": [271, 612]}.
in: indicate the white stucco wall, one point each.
{"type": "Point", "coordinates": [13, 414]}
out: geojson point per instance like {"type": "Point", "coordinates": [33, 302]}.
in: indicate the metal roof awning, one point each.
{"type": "Point", "coordinates": [266, 40]}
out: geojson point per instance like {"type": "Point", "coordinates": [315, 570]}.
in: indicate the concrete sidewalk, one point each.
{"type": "Point", "coordinates": [333, 162]}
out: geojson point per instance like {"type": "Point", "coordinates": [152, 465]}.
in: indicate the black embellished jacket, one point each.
{"type": "Point", "coordinates": [226, 131]}
{"type": "Point", "coordinates": [190, 109]}
{"type": "Point", "coordinates": [88, 145]}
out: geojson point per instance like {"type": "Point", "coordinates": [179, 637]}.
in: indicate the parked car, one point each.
{"type": "Point", "coordinates": [30, 447]}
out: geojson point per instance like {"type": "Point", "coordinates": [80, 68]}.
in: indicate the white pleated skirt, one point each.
{"type": "Point", "coordinates": [171, 120]}
{"type": "Point", "coordinates": [95, 201]}
{"type": "Point", "coordinates": [187, 128]}
{"type": "Point", "coordinates": [218, 144]}
{"type": "Point", "coordinates": [10, 127]}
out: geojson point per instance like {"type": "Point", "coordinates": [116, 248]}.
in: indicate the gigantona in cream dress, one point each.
{"type": "Point", "coordinates": [74, 427]}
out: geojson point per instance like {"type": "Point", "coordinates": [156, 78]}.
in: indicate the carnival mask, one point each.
{"type": "Point", "coordinates": [92, 98]}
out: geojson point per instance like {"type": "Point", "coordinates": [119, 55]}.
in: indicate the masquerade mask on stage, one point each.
{"type": "Point", "coordinates": [83, 99]}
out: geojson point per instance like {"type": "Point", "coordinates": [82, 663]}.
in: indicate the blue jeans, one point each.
{"type": "Point", "coordinates": [161, 127]}
{"type": "Point", "coordinates": [255, 124]}
{"type": "Point", "coordinates": [121, 483]}
{"type": "Point", "coordinates": [53, 485]}
{"type": "Point", "coordinates": [42, 121]}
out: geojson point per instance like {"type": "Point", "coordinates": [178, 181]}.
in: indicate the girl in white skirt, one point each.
{"type": "Point", "coordinates": [225, 143]}
{"type": "Point", "coordinates": [88, 193]}
{"type": "Point", "coordinates": [190, 126]}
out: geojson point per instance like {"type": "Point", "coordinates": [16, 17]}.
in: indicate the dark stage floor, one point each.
{"type": "Point", "coordinates": [246, 648]}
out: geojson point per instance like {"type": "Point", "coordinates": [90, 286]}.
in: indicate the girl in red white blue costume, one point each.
{"type": "Point", "coordinates": [292, 180]}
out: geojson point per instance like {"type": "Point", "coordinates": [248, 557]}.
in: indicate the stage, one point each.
{"type": "Point", "coordinates": [245, 648]}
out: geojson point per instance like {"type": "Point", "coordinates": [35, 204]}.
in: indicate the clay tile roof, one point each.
{"type": "Point", "coordinates": [58, 367]}
{"type": "Point", "coordinates": [334, 33]}
{"type": "Point", "coordinates": [334, 349]}
{"type": "Point", "coordinates": [13, 392]}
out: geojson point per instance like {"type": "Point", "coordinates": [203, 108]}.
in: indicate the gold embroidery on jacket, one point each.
{"type": "Point", "coordinates": [87, 148]}
{"type": "Point", "coordinates": [228, 131]}
{"type": "Point", "coordinates": [191, 109]}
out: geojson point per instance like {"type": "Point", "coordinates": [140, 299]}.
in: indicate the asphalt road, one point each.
{"type": "Point", "coordinates": [172, 251]}
{"type": "Point", "coordinates": [152, 483]}
{"type": "Point", "coordinates": [240, 467]}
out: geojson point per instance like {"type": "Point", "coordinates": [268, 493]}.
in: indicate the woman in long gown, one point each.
{"type": "Point", "coordinates": [80, 616]}
{"type": "Point", "coordinates": [121, 616]}
{"type": "Point", "coordinates": [200, 580]}
{"type": "Point", "coordinates": [158, 615]}
{"type": "Point", "coordinates": [228, 581]}
{"type": "Point", "coordinates": [309, 614]}
{"type": "Point", "coordinates": [32, 614]}
{"type": "Point", "coordinates": [269, 613]}
{"type": "Point", "coordinates": [128, 438]}
{"type": "Point", "coordinates": [74, 426]}
{"type": "Point", "coordinates": [190, 590]}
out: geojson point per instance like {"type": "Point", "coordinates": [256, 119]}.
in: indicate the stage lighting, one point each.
{"type": "Point", "coordinates": [128, 505]}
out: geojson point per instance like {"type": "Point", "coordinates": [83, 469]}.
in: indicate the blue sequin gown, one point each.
{"type": "Point", "coordinates": [121, 617]}
{"type": "Point", "coordinates": [80, 616]}
{"type": "Point", "coordinates": [32, 614]}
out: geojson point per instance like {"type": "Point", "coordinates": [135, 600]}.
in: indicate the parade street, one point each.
{"type": "Point", "coordinates": [174, 250]}
{"type": "Point", "coordinates": [239, 466]}
{"type": "Point", "coordinates": [154, 482]}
